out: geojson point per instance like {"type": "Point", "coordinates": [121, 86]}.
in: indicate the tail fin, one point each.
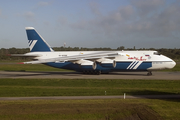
{"type": "Point", "coordinates": [36, 42]}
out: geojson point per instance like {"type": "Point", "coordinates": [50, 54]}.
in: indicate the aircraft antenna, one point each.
{"type": "Point", "coordinates": [64, 44]}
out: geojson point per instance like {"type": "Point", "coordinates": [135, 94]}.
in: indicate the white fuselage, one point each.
{"type": "Point", "coordinates": [125, 60]}
{"type": "Point", "coordinates": [94, 61]}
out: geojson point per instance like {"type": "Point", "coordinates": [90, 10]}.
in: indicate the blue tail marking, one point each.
{"type": "Point", "coordinates": [36, 42]}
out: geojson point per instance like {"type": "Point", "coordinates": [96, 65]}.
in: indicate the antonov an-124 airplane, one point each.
{"type": "Point", "coordinates": [93, 62]}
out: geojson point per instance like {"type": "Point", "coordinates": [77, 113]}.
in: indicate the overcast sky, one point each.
{"type": "Point", "coordinates": [92, 23]}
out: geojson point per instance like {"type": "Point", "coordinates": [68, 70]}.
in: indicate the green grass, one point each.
{"type": "Point", "coordinates": [86, 109]}
{"type": "Point", "coordinates": [27, 67]}
{"type": "Point", "coordinates": [109, 109]}
{"type": "Point", "coordinates": [87, 87]}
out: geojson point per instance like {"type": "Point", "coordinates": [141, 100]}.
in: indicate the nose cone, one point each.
{"type": "Point", "coordinates": [171, 64]}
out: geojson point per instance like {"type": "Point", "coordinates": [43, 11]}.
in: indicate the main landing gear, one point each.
{"type": "Point", "coordinates": [149, 73]}
{"type": "Point", "coordinates": [92, 72]}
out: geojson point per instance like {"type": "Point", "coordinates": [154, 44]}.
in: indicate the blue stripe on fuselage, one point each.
{"type": "Point", "coordinates": [121, 66]}
{"type": "Point", "coordinates": [124, 65]}
{"type": "Point", "coordinates": [144, 65]}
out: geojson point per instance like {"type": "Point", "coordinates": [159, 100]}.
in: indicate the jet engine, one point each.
{"type": "Point", "coordinates": [86, 64]}
{"type": "Point", "coordinates": [108, 63]}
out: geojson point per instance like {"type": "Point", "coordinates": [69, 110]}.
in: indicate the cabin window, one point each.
{"type": "Point", "coordinates": [157, 62]}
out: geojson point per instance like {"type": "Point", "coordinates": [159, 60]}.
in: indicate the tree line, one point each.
{"type": "Point", "coordinates": [172, 53]}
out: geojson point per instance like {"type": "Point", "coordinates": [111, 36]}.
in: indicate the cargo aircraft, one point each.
{"type": "Point", "coordinates": [93, 62]}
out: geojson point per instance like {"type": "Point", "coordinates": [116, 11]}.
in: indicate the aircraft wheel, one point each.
{"type": "Point", "coordinates": [91, 72]}
{"type": "Point", "coordinates": [98, 72]}
{"type": "Point", "coordinates": [84, 72]}
{"type": "Point", "coordinates": [149, 73]}
{"type": "Point", "coordinates": [94, 72]}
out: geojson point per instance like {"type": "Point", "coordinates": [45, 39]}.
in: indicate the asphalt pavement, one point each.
{"type": "Point", "coordinates": [93, 97]}
{"type": "Point", "coordinates": [76, 75]}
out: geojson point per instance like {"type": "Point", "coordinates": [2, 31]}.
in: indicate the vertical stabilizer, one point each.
{"type": "Point", "coordinates": [36, 42]}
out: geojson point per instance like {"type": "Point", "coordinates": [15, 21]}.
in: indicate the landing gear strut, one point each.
{"type": "Point", "coordinates": [149, 73]}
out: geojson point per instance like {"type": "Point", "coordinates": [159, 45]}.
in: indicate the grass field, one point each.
{"type": "Point", "coordinates": [86, 87]}
{"type": "Point", "coordinates": [27, 67]}
{"type": "Point", "coordinates": [111, 109]}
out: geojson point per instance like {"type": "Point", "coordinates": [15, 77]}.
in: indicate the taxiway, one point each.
{"type": "Point", "coordinates": [76, 75]}
{"type": "Point", "coordinates": [93, 97]}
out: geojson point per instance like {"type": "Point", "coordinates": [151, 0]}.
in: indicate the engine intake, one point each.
{"type": "Point", "coordinates": [108, 63]}
{"type": "Point", "coordinates": [87, 65]}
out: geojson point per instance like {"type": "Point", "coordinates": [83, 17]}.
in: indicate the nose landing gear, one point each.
{"type": "Point", "coordinates": [149, 73]}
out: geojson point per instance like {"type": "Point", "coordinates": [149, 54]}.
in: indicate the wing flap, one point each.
{"type": "Point", "coordinates": [25, 55]}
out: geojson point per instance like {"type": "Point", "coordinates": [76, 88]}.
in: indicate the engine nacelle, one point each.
{"type": "Point", "coordinates": [86, 64]}
{"type": "Point", "coordinates": [108, 63]}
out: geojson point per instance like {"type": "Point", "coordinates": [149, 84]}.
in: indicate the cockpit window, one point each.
{"type": "Point", "coordinates": [156, 53]}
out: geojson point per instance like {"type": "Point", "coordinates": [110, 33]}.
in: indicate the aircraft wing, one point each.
{"type": "Point", "coordinates": [90, 56]}
{"type": "Point", "coordinates": [24, 55]}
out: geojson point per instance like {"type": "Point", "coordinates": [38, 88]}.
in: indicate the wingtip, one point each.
{"type": "Point", "coordinates": [21, 63]}
{"type": "Point", "coordinates": [8, 55]}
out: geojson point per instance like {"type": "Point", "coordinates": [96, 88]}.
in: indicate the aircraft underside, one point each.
{"type": "Point", "coordinates": [106, 68]}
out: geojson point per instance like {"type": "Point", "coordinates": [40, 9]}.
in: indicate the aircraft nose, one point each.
{"type": "Point", "coordinates": [171, 64]}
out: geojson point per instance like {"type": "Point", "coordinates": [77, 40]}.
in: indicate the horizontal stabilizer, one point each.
{"type": "Point", "coordinates": [34, 62]}
{"type": "Point", "coordinates": [21, 63]}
